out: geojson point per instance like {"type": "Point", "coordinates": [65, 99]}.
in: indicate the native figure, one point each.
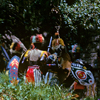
{"type": "Point", "coordinates": [30, 60]}
{"type": "Point", "coordinates": [60, 57]}
{"type": "Point", "coordinates": [59, 48]}
{"type": "Point", "coordinates": [74, 75]}
{"type": "Point", "coordinates": [15, 48]}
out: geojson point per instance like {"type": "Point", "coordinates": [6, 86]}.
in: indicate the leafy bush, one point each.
{"type": "Point", "coordinates": [85, 12]}
{"type": "Point", "coordinates": [82, 20]}
{"type": "Point", "coordinates": [28, 91]}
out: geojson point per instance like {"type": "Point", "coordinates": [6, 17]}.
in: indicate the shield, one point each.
{"type": "Point", "coordinates": [13, 68]}
{"type": "Point", "coordinates": [85, 77]}
{"type": "Point", "coordinates": [5, 54]}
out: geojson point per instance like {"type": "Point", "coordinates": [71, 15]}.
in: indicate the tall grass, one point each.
{"type": "Point", "coordinates": [28, 91]}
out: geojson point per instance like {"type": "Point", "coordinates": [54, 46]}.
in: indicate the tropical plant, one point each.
{"type": "Point", "coordinates": [81, 20]}
{"type": "Point", "coordinates": [78, 19]}
{"type": "Point", "coordinates": [28, 91]}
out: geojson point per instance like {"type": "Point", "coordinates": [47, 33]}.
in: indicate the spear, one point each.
{"type": "Point", "coordinates": [49, 44]}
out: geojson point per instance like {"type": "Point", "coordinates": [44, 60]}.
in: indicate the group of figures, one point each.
{"type": "Point", "coordinates": [54, 65]}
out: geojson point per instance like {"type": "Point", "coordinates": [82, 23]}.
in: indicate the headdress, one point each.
{"type": "Point", "coordinates": [37, 39]}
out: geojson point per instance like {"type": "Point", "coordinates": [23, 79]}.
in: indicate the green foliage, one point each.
{"type": "Point", "coordinates": [84, 12]}
{"type": "Point", "coordinates": [79, 19]}
{"type": "Point", "coordinates": [25, 17]}
{"type": "Point", "coordinates": [82, 19]}
{"type": "Point", "coordinates": [4, 78]}
{"type": "Point", "coordinates": [28, 91]}
{"type": "Point", "coordinates": [22, 16]}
